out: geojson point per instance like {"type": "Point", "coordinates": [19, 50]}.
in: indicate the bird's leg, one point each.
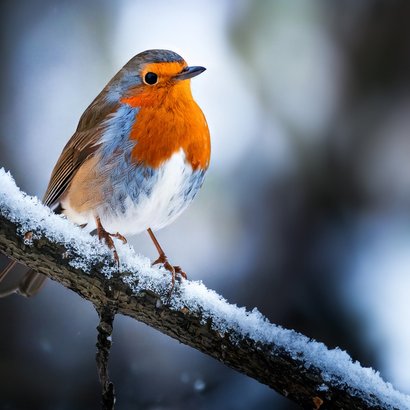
{"type": "Point", "coordinates": [103, 234]}
{"type": "Point", "coordinates": [162, 258]}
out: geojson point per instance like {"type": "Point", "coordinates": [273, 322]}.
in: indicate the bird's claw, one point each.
{"type": "Point", "coordinates": [162, 259]}
{"type": "Point", "coordinates": [107, 237]}
{"type": "Point", "coordinates": [117, 235]}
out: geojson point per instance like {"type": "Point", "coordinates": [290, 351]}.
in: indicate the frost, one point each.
{"type": "Point", "coordinates": [230, 321]}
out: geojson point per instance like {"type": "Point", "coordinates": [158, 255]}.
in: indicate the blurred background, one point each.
{"type": "Point", "coordinates": [304, 212]}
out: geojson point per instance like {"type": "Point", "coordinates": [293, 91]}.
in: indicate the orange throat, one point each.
{"type": "Point", "coordinates": [169, 120]}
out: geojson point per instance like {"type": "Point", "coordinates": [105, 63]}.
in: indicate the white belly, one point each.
{"type": "Point", "coordinates": [160, 206]}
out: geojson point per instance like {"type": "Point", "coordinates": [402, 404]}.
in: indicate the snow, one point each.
{"type": "Point", "coordinates": [84, 251]}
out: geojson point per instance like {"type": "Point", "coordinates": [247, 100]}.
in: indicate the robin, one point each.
{"type": "Point", "coordinates": [136, 161]}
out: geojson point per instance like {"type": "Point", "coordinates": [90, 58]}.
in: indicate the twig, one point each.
{"type": "Point", "coordinates": [104, 341]}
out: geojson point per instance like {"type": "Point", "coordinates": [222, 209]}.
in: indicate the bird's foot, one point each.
{"type": "Point", "coordinates": [117, 235]}
{"type": "Point", "coordinates": [174, 270]}
{"type": "Point", "coordinates": [107, 237]}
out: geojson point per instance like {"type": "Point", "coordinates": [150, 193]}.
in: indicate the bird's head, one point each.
{"type": "Point", "coordinates": [151, 77]}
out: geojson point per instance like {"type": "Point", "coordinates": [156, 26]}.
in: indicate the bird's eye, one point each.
{"type": "Point", "coordinates": [150, 78]}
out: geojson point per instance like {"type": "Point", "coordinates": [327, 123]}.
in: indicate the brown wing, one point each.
{"type": "Point", "coordinates": [81, 146]}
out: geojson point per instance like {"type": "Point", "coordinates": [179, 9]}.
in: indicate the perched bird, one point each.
{"type": "Point", "coordinates": [137, 159]}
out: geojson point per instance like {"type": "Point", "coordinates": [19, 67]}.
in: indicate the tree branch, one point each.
{"type": "Point", "coordinates": [297, 367]}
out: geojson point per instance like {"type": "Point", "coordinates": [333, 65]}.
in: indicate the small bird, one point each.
{"type": "Point", "coordinates": [136, 161]}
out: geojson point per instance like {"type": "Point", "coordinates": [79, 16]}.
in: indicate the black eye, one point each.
{"type": "Point", "coordinates": [151, 78]}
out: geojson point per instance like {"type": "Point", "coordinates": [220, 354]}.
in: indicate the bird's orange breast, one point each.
{"type": "Point", "coordinates": [169, 120]}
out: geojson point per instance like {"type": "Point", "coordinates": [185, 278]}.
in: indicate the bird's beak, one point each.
{"type": "Point", "coordinates": [189, 72]}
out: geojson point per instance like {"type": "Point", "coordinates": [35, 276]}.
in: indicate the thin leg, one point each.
{"type": "Point", "coordinates": [156, 243]}
{"type": "Point", "coordinates": [162, 258]}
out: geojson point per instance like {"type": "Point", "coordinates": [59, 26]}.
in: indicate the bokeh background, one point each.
{"type": "Point", "coordinates": [304, 213]}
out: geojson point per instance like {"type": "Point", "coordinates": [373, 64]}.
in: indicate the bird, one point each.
{"type": "Point", "coordinates": [136, 161]}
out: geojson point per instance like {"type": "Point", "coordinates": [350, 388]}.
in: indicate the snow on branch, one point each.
{"type": "Point", "coordinates": [300, 368]}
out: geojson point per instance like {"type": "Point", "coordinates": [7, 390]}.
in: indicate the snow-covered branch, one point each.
{"type": "Point", "coordinates": [300, 368]}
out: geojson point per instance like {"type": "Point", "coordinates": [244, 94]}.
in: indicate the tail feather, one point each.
{"type": "Point", "coordinates": [11, 264]}
{"type": "Point", "coordinates": [31, 283]}
{"type": "Point", "coordinates": [17, 278]}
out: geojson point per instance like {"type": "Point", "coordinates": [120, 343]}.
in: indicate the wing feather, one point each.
{"type": "Point", "coordinates": [81, 146]}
